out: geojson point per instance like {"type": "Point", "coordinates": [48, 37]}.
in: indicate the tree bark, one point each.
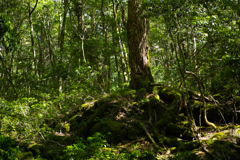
{"type": "Point", "coordinates": [107, 56]}
{"type": "Point", "coordinates": [115, 42]}
{"type": "Point", "coordinates": [82, 31]}
{"type": "Point", "coordinates": [62, 35]}
{"type": "Point", "coordinates": [30, 11]}
{"type": "Point", "coordinates": [139, 61]}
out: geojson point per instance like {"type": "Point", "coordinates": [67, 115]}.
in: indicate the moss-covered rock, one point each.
{"type": "Point", "coordinates": [168, 141]}
{"type": "Point", "coordinates": [168, 94]}
{"type": "Point", "coordinates": [133, 132]}
{"type": "Point", "coordinates": [109, 126]}
{"type": "Point", "coordinates": [167, 116]}
{"type": "Point", "coordinates": [141, 94]}
{"type": "Point", "coordinates": [223, 149]}
{"type": "Point", "coordinates": [179, 131]}
{"type": "Point", "coordinates": [218, 136]}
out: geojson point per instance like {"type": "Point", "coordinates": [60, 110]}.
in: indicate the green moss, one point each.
{"type": "Point", "coordinates": [134, 103]}
{"type": "Point", "coordinates": [32, 145]}
{"type": "Point", "coordinates": [170, 93]}
{"type": "Point", "coordinates": [182, 119]}
{"type": "Point", "coordinates": [210, 106]}
{"type": "Point", "coordinates": [179, 131]}
{"type": "Point", "coordinates": [171, 142]}
{"type": "Point", "coordinates": [157, 97]}
{"type": "Point", "coordinates": [74, 117]}
{"type": "Point", "coordinates": [203, 134]}
{"type": "Point", "coordinates": [230, 127]}
{"type": "Point", "coordinates": [223, 149]}
{"type": "Point", "coordinates": [141, 81]}
{"type": "Point", "coordinates": [238, 131]}
{"type": "Point", "coordinates": [192, 145]}
{"type": "Point", "coordinates": [67, 127]}
{"type": "Point", "coordinates": [108, 126]}
{"type": "Point", "coordinates": [35, 148]}
{"type": "Point", "coordinates": [219, 135]}
{"type": "Point", "coordinates": [155, 90]}
{"type": "Point", "coordinates": [198, 103]}
{"type": "Point", "coordinates": [187, 146]}
{"type": "Point", "coordinates": [87, 105]}
{"type": "Point", "coordinates": [132, 132]}
{"type": "Point", "coordinates": [162, 123]}
{"type": "Point", "coordinates": [173, 149]}
{"type": "Point", "coordinates": [154, 101]}
{"type": "Point", "coordinates": [141, 94]}
{"type": "Point", "coordinates": [218, 96]}
{"type": "Point", "coordinates": [168, 115]}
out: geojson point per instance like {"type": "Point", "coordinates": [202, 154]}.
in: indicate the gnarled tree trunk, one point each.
{"type": "Point", "coordinates": [139, 61]}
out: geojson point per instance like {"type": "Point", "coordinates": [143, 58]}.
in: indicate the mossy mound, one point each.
{"type": "Point", "coordinates": [167, 93]}
{"type": "Point", "coordinates": [120, 112]}
{"type": "Point", "coordinates": [113, 131]}
{"type": "Point", "coordinates": [224, 150]}
{"type": "Point", "coordinates": [130, 115]}
{"type": "Point", "coordinates": [179, 131]}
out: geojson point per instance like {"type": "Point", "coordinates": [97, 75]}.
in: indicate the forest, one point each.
{"type": "Point", "coordinates": [119, 79]}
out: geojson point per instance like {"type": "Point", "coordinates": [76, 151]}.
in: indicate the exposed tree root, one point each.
{"type": "Point", "coordinates": [149, 136]}
{"type": "Point", "coordinates": [194, 128]}
{"type": "Point", "coordinates": [203, 101]}
{"type": "Point", "coordinates": [150, 114]}
{"type": "Point", "coordinates": [216, 102]}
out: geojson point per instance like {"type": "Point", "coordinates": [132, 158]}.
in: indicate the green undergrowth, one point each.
{"type": "Point", "coordinates": [121, 125]}
{"type": "Point", "coordinates": [96, 147]}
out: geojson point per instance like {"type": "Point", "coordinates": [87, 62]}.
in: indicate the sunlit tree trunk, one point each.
{"type": "Point", "coordinates": [139, 61]}
{"type": "Point", "coordinates": [115, 42]}
{"type": "Point", "coordinates": [82, 31]}
{"type": "Point", "coordinates": [72, 55]}
{"type": "Point", "coordinates": [106, 52]}
{"type": "Point", "coordinates": [122, 45]}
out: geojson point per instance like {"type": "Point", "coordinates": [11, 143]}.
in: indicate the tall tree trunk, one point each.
{"type": "Point", "coordinates": [81, 26]}
{"type": "Point", "coordinates": [84, 32]}
{"type": "Point", "coordinates": [62, 35]}
{"type": "Point", "coordinates": [139, 61]}
{"type": "Point", "coordinates": [122, 45]}
{"type": "Point", "coordinates": [115, 41]}
{"type": "Point", "coordinates": [30, 11]}
{"type": "Point", "coordinates": [107, 54]}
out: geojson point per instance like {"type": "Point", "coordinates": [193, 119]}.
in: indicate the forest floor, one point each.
{"type": "Point", "coordinates": [139, 125]}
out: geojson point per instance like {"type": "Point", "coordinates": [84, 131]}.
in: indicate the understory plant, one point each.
{"type": "Point", "coordinates": [97, 148]}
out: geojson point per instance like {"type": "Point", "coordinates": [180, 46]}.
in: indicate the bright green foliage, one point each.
{"type": "Point", "coordinates": [7, 39]}
{"type": "Point", "coordinates": [186, 35]}
{"type": "Point", "coordinates": [97, 148]}
{"type": "Point", "coordinates": [27, 117]}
